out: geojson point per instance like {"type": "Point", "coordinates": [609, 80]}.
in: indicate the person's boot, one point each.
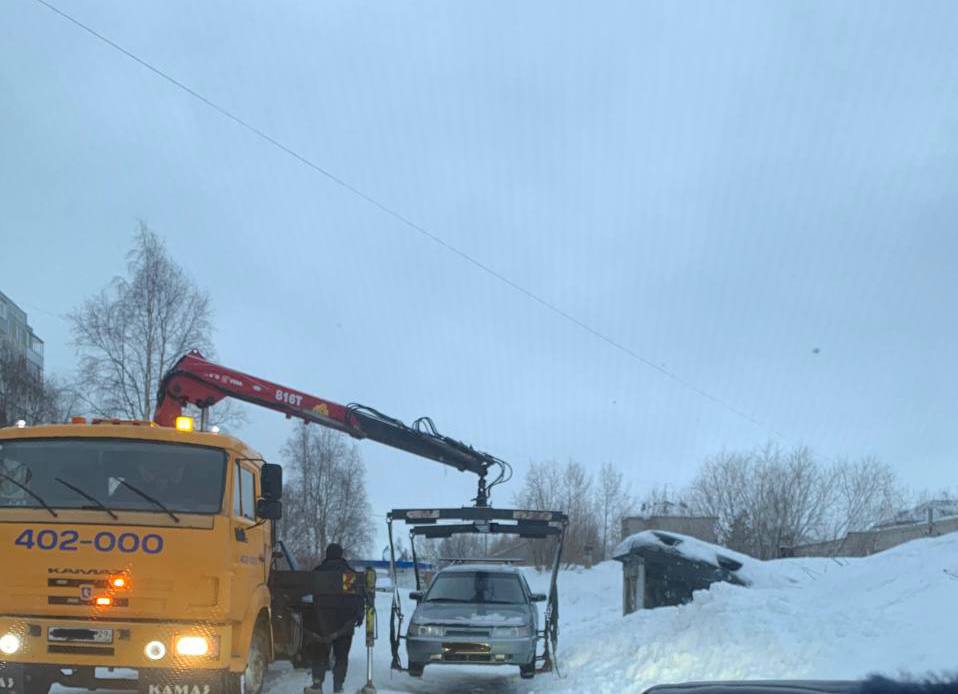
{"type": "Point", "coordinates": [316, 688]}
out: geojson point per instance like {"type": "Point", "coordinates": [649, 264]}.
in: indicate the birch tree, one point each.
{"type": "Point", "coordinates": [129, 334]}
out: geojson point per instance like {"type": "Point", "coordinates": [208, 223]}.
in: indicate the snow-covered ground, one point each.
{"type": "Point", "coordinates": [803, 618]}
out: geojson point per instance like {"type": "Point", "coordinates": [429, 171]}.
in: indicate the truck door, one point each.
{"type": "Point", "coordinates": [249, 540]}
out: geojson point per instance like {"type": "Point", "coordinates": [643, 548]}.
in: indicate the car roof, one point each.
{"type": "Point", "coordinates": [485, 568]}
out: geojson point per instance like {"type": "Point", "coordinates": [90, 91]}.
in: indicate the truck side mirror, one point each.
{"type": "Point", "coordinates": [416, 595]}
{"type": "Point", "coordinates": [538, 597]}
{"type": "Point", "coordinates": [271, 481]}
{"type": "Point", "coordinates": [269, 509]}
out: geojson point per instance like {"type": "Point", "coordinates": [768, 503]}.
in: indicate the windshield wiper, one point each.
{"type": "Point", "coordinates": [153, 500]}
{"type": "Point", "coordinates": [89, 497]}
{"type": "Point", "coordinates": [31, 493]}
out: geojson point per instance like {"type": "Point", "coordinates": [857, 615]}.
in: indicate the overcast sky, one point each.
{"type": "Point", "coordinates": [721, 187]}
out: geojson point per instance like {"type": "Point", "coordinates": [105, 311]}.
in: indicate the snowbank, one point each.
{"type": "Point", "coordinates": [802, 618]}
{"type": "Point", "coordinates": [890, 613]}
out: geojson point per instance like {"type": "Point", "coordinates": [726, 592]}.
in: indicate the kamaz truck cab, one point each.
{"type": "Point", "coordinates": [129, 546]}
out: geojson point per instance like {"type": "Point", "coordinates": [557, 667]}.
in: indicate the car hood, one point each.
{"type": "Point", "coordinates": [473, 615]}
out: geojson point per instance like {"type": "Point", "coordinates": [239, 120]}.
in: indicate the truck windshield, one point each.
{"type": "Point", "coordinates": [185, 479]}
{"type": "Point", "coordinates": [477, 587]}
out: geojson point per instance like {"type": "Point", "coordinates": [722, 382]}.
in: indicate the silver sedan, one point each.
{"type": "Point", "coordinates": [475, 614]}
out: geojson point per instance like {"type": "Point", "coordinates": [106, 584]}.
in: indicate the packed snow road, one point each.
{"type": "Point", "coordinates": [821, 618]}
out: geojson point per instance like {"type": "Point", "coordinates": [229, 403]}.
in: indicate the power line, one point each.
{"type": "Point", "coordinates": [398, 216]}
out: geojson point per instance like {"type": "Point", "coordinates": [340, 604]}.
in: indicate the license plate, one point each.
{"type": "Point", "coordinates": [461, 648]}
{"type": "Point", "coordinates": [79, 635]}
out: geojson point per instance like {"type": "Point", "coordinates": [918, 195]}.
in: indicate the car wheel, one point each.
{"type": "Point", "coordinates": [415, 669]}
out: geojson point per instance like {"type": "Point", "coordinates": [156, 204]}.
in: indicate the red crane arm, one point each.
{"type": "Point", "coordinates": [194, 380]}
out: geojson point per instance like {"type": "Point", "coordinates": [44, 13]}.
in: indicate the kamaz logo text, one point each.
{"type": "Point", "coordinates": [179, 689]}
{"type": "Point", "coordinates": [83, 572]}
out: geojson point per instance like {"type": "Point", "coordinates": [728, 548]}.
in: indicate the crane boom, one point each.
{"type": "Point", "coordinates": [194, 380]}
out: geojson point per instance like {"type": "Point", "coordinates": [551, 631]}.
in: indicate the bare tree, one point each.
{"type": "Point", "coordinates": [326, 499]}
{"type": "Point", "coordinates": [566, 488]}
{"type": "Point", "coordinates": [133, 331]}
{"type": "Point", "coordinates": [613, 502]}
{"type": "Point", "coordinates": [867, 492]}
{"type": "Point", "coordinates": [540, 492]}
{"type": "Point", "coordinates": [765, 499]}
{"type": "Point", "coordinates": [26, 396]}
{"type": "Point", "coordinates": [720, 489]}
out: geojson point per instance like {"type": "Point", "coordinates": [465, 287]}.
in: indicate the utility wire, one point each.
{"type": "Point", "coordinates": [398, 216]}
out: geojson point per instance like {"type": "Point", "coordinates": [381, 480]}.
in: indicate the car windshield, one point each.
{"type": "Point", "coordinates": [477, 587]}
{"type": "Point", "coordinates": [65, 473]}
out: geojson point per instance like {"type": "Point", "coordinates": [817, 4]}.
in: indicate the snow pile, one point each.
{"type": "Point", "coordinates": [890, 613]}
{"type": "Point", "coordinates": [752, 571]}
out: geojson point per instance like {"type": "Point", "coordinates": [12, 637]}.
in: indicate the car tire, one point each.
{"type": "Point", "coordinates": [527, 672]}
{"type": "Point", "coordinates": [415, 669]}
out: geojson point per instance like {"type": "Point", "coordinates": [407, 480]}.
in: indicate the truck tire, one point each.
{"type": "Point", "coordinates": [251, 681]}
{"type": "Point", "coordinates": [527, 672]}
{"type": "Point", "coordinates": [415, 669]}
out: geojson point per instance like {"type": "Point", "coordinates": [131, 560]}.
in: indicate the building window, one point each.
{"type": "Point", "coordinates": [3, 309]}
{"type": "Point", "coordinates": [36, 345]}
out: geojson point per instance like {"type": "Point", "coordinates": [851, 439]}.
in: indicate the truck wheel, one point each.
{"type": "Point", "coordinates": [252, 679]}
{"type": "Point", "coordinates": [415, 669]}
{"type": "Point", "coordinates": [527, 672]}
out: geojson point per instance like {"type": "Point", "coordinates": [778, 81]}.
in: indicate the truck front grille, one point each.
{"type": "Point", "coordinates": [80, 650]}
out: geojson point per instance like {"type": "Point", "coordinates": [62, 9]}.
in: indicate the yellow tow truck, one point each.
{"type": "Point", "coordinates": [143, 555]}
{"type": "Point", "coordinates": [129, 545]}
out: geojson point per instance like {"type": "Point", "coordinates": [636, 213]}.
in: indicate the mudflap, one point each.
{"type": "Point", "coordinates": [154, 681]}
{"type": "Point", "coordinates": [12, 678]}
{"type": "Point", "coordinates": [17, 678]}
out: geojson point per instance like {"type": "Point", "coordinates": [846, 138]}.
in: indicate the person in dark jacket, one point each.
{"type": "Point", "coordinates": [334, 628]}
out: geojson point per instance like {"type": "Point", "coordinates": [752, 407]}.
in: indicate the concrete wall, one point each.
{"type": "Point", "coordinates": [861, 544]}
{"type": "Point", "coordinates": [701, 527]}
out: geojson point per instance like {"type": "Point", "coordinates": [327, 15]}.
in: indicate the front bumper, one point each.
{"type": "Point", "coordinates": [126, 647]}
{"type": "Point", "coordinates": [465, 650]}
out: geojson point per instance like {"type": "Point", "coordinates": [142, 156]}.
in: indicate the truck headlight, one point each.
{"type": "Point", "coordinates": [511, 632]}
{"type": "Point", "coordinates": [426, 630]}
{"type": "Point", "coordinates": [155, 650]}
{"type": "Point", "coordinates": [193, 646]}
{"type": "Point", "coordinates": [9, 644]}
